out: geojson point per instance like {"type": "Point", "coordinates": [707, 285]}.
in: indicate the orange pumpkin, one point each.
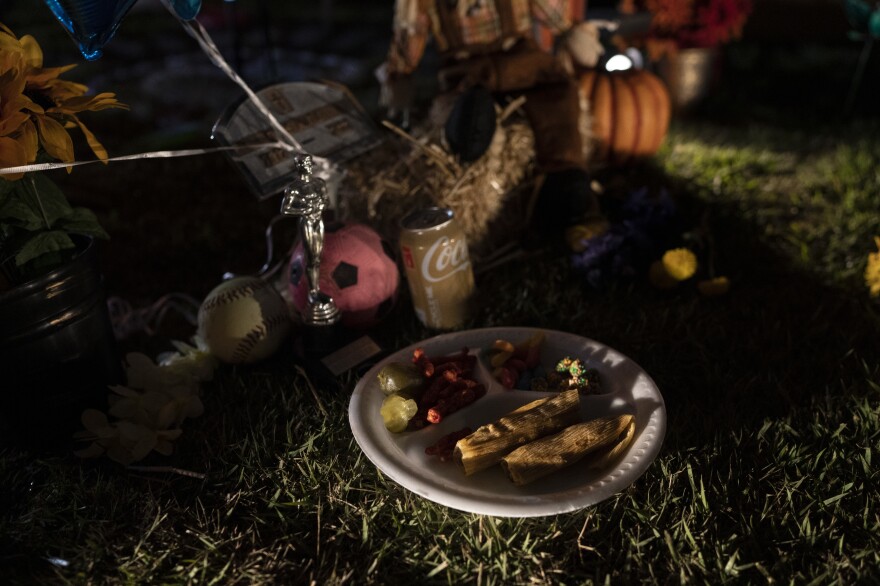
{"type": "Point", "coordinates": [630, 111]}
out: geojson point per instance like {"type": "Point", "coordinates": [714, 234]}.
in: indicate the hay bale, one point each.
{"type": "Point", "coordinates": [412, 170]}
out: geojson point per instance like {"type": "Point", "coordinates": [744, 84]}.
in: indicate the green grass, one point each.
{"type": "Point", "coordinates": [768, 473]}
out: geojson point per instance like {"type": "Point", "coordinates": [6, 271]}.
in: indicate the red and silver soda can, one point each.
{"type": "Point", "coordinates": [438, 267]}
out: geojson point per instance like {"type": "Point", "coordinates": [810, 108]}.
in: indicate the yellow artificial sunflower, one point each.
{"type": "Point", "coordinates": [680, 263]}
{"type": "Point", "coordinates": [872, 270]}
{"type": "Point", "coordinates": [18, 142]}
{"type": "Point", "coordinates": [37, 107]}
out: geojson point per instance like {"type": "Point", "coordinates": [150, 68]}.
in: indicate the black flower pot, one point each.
{"type": "Point", "coordinates": [57, 351]}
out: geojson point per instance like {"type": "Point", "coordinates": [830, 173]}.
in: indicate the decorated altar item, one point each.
{"type": "Point", "coordinates": [92, 23]}
{"type": "Point", "coordinates": [323, 115]}
{"type": "Point", "coordinates": [243, 320]}
{"type": "Point", "coordinates": [647, 238]}
{"type": "Point", "coordinates": [358, 271]}
{"type": "Point", "coordinates": [415, 170]}
{"type": "Point", "coordinates": [147, 413]}
{"type": "Point", "coordinates": [689, 24]}
{"type": "Point", "coordinates": [490, 44]}
{"type": "Point", "coordinates": [630, 113]}
{"type": "Point", "coordinates": [57, 351]}
{"type": "Point", "coordinates": [644, 225]}
{"type": "Point", "coordinates": [306, 200]}
{"type": "Point", "coordinates": [331, 122]}
{"type": "Point", "coordinates": [684, 40]}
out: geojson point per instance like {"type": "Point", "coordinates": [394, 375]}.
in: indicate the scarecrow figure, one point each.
{"type": "Point", "coordinates": [490, 45]}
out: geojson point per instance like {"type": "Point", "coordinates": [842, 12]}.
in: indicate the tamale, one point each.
{"type": "Point", "coordinates": [541, 457]}
{"type": "Point", "coordinates": [488, 444]}
{"type": "Point", "coordinates": [604, 456]}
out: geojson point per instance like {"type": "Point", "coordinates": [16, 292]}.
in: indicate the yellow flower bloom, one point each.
{"type": "Point", "coordinates": [37, 107]}
{"type": "Point", "coordinates": [17, 145]}
{"type": "Point", "coordinates": [714, 287]}
{"type": "Point", "coordinates": [680, 263]}
{"type": "Point", "coordinates": [872, 270]}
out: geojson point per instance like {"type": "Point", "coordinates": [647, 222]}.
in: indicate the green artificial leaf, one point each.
{"type": "Point", "coordinates": [82, 221]}
{"type": "Point", "coordinates": [43, 243]}
{"type": "Point", "coordinates": [46, 198]}
{"type": "Point", "coordinates": [14, 209]}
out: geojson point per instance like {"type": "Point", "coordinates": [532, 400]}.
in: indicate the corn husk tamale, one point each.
{"type": "Point", "coordinates": [602, 457]}
{"type": "Point", "coordinates": [541, 457]}
{"type": "Point", "coordinates": [488, 444]}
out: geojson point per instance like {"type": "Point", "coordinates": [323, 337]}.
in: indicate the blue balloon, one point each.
{"type": "Point", "coordinates": [186, 9]}
{"type": "Point", "coordinates": [91, 23]}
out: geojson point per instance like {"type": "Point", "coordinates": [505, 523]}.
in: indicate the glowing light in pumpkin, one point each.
{"type": "Point", "coordinates": [619, 62]}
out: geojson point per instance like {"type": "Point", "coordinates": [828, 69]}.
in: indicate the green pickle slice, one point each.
{"type": "Point", "coordinates": [399, 376]}
{"type": "Point", "coordinates": [396, 411]}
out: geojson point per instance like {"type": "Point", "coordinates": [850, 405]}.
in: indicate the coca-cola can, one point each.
{"type": "Point", "coordinates": [438, 268]}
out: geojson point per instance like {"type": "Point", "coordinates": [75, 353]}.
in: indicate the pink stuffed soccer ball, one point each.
{"type": "Point", "coordinates": [357, 270]}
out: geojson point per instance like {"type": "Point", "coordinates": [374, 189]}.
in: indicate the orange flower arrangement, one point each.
{"type": "Point", "coordinates": [37, 106]}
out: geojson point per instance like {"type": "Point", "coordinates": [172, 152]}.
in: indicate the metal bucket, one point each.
{"type": "Point", "coordinates": [689, 75]}
{"type": "Point", "coordinates": [57, 351]}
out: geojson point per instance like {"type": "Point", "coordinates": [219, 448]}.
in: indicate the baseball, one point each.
{"type": "Point", "coordinates": [243, 320]}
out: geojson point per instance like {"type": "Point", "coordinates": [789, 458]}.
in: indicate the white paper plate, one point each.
{"type": "Point", "coordinates": [625, 388]}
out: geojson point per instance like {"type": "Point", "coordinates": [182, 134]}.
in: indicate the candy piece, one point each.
{"type": "Point", "coordinates": [507, 378]}
{"type": "Point", "coordinates": [503, 346]}
{"type": "Point", "coordinates": [577, 368]}
{"type": "Point", "coordinates": [500, 358]}
{"type": "Point", "coordinates": [515, 364]}
{"type": "Point", "coordinates": [564, 364]}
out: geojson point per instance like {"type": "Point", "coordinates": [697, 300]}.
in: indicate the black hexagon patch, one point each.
{"type": "Point", "coordinates": [345, 275]}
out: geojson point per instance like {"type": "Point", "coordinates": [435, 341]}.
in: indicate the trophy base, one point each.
{"type": "Point", "coordinates": [321, 313]}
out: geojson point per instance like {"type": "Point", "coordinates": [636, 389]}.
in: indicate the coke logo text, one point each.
{"type": "Point", "coordinates": [444, 259]}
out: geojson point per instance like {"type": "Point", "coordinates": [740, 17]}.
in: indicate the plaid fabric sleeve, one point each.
{"type": "Point", "coordinates": [411, 29]}
{"type": "Point", "coordinates": [553, 14]}
{"type": "Point", "coordinates": [478, 25]}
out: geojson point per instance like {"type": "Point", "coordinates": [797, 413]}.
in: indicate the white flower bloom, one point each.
{"type": "Point", "coordinates": [153, 405]}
